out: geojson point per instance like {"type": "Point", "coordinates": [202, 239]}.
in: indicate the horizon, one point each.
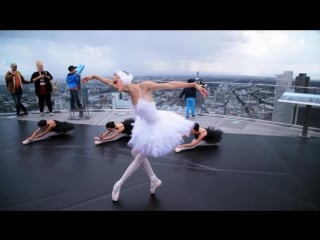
{"type": "Point", "coordinates": [156, 52]}
{"type": "Point", "coordinates": [272, 76]}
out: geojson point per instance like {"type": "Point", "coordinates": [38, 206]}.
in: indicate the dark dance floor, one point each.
{"type": "Point", "coordinates": [246, 172]}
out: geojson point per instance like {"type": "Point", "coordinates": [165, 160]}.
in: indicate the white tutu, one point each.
{"type": "Point", "coordinates": [156, 132]}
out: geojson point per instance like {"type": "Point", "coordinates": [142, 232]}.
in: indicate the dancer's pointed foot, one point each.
{"type": "Point", "coordinates": [116, 191]}
{"type": "Point", "coordinates": [98, 142]}
{"type": "Point", "coordinates": [178, 149]}
{"type": "Point", "coordinates": [154, 184]}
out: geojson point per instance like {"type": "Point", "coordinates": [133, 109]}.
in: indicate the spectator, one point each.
{"type": "Point", "coordinates": [190, 98]}
{"type": "Point", "coordinates": [14, 81]}
{"type": "Point", "coordinates": [43, 87]}
{"type": "Point", "coordinates": [73, 83]}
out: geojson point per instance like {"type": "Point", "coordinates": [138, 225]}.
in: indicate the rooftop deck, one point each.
{"type": "Point", "coordinates": [258, 166]}
{"type": "Point", "coordinates": [229, 124]}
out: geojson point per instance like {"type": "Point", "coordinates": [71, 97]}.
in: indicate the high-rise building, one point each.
{"type": "Point", "coordinates": [283, 112]}
{"type": "Point", "coordinates": [301, 82]}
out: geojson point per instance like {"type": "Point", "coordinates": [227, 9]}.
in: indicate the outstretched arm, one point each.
{"type": "Point", "coordinates": [80, 69]}
{"type": "Point", "coordinates": [104, 80]}
{"type": "Point", "coordinates": [106, 133]}
{"type": "Point", "coordinates": [194, 142]}
{"type": "Point", "coordinates": [34, 134]}
{"type": "Point", "coordinates": [174, 85]}
{"type": "Point", "coordinates": [24, 80]}
{"type": "Point", "coordinates": [112, 135]}
{"type": "Point", "coordinates": [102, 135]}
{"type": "Point", "coordinates": [38, 134]}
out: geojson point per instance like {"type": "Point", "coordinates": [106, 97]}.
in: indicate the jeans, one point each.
{"type": "Point", "coordinates": [190, 105]}
{"type": "Point", "coordinates": [74, 98]}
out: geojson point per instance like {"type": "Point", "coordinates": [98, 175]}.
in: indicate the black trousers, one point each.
{"type": "Point", "coordinates": [45, 99]}
{"type": "Point", "coordinates": [17, 100]}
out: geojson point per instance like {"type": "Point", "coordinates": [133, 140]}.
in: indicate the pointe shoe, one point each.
{"type": "Point", "coordinates": [154, 184]}
{"type": "Point", "coordinates": [116, 191]}
{"type": "Point", "coordinates": [26, 141]}
{"type": "Point", "coordinates": [178, 149]}
{"type": "Point", "coordinates": [98, 142]}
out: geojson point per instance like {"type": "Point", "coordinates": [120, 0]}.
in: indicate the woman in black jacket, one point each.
{"type": "Point", "coordinates": [43, 87]}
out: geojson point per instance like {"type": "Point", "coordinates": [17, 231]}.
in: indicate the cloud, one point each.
{"type": "Point", "coordinates": [163, 52]}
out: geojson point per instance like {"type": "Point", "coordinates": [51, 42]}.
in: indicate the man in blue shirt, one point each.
{"type": "Point", "coordinates": [73, 83]}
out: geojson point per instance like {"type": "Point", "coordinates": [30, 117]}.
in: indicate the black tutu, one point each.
{"type": "Point", "coordinates": [62, 127]}
{"type": "Point", "coordinates": [128, 126]}
{"type": "Point", "coordinates": [213, 135]}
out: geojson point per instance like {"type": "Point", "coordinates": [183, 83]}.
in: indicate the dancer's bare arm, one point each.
{"type": "Point", "coordinates": [34, 133]}
{"type": "Point", "coordinates": [38, 135]}
{"type": "Point", "coordinates": [104, 134]}
{"type": "Point", "coordinates": [113, 134]}
{"type": "Point", "coordinates": [194, 142]}
{"type": "Point", "coordinates": [49, 127]}
{"type": "Point", "coordinates": [173, 85]}
{"type": "Point", "coordinates": [102, 79]}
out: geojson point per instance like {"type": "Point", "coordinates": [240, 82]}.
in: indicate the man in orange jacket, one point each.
{"type": "Point", "coordinates": [14, 81]}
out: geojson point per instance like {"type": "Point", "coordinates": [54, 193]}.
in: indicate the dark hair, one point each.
{"type": "Point", "coordinates": [110, 125]}
{"type": "Point", "coordinates": [190, 80]}
{"type": "Point", "coordinates": [196, 127]}
{"type": "Point", "coordinates": [42, 123]}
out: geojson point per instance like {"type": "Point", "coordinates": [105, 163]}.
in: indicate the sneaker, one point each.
{"type": "Point", "coordinates": [25, 113]}
{"type": "Point", "coordinates": [51, 114]}
{"type": "Point", "coordinates": [41, 114]}
{"type": "Point", "coordinates": [154, 184]}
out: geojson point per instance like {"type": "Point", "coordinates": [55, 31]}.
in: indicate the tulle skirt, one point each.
{"type": "Point", "coordinates": [157, 138]}
{"type": "Point", "coordinates": [62, 127]}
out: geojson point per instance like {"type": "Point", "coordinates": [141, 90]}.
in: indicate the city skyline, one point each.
{"type": "Point", "coordinates": [255, 53]}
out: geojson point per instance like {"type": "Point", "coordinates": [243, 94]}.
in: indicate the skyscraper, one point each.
{"type": "Point", "coordinates": [302, 80]}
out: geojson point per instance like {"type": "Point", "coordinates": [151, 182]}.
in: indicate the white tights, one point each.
{"type": "Point", "coordinates": [135, 164]}
{"type": "Point", "coordinates": [139, 160]}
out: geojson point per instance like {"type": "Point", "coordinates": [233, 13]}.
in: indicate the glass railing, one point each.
{"type": "Point", "coordinates": [255, 101]}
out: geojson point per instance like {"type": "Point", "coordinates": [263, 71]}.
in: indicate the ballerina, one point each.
{"type": "Point", "coordinates": [49, 128]}
{"type": "Point", "coordinates": [155, 132]}
{"type": "Point", "coordinates": [202, 137]}
{"type": "Point", "coordinates": [115, 131]}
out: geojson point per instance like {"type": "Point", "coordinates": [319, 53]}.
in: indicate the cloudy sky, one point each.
{"type": "Point", "coordinates": [163, 52]}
